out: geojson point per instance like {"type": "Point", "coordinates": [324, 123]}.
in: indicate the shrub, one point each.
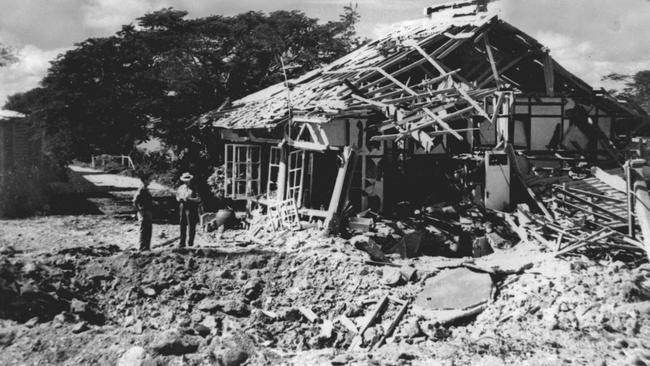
{"type": "Point", "coordinates": [25, 192]}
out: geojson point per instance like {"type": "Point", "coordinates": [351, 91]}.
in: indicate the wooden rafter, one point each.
{"type": "Point", "coordinates": [505, 68]}
{"type": "Point", "coordinates": [493, 65]}
{"type": "Point", "coordinates": [473, 103]}
{"type": "Point", "coordinates": [549, 75]}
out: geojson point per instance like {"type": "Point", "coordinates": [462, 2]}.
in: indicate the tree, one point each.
{"type": "Point", "coordinates": [636, 87]}
{"type": "Point", "coordinates": [348, 21]}
{"type": "Point", "coordinates": [7, 55]}
{"type": "Point", "coordinates": [152, 79]}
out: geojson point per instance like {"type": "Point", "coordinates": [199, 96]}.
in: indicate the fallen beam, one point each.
{"type": "Point", "coordinates": [642, 209]}
{"type": "Point", "coordinates": [589, 204]}
{"type": "Point", "coordinates": [611, 180]}
{"type": "Point", "coordinates": [513, 163]}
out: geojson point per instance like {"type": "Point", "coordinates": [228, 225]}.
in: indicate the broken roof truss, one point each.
{"type": "Point", "coordinates": [420, 76]}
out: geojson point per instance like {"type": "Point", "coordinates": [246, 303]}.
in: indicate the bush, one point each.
{"type": "Point", "coordinates": [217, 181]}
{"type": "Point", "coordinates": [25, 192]}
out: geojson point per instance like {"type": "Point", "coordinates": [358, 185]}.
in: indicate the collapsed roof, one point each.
{"type": "Point", "coordinates": [431, 70]}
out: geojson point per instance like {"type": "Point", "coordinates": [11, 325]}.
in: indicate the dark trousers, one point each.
{"type": "Point", "coordinates": [145, 230]}
{"type": "Point", "coordinates": [189, 218]}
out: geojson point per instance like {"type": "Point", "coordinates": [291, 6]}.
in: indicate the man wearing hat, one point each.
{"type": "Point", "coordinates": [188, 205]}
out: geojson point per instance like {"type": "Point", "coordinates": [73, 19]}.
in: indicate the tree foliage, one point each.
{"type": "Point", "coordinates": [7, 55]}
{"type": "Point", "coordinates": [635, 87]}
{"type": "Point", "coordinates": [153, 78]}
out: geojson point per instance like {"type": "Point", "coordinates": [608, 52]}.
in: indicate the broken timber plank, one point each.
{"type": "Point", "coordinates": [356, 342]}
{"type": "Point", "coordinates": [585, 210]}
{"type": "Point", "coordinates": [393, 325]}
{"type": "Point", "coordinates": [441, 123]}
{"type": "Point", "coordinates": [595, 195]}
{"type": "Point", "coordinates": [370, 101]}
{"type": "Point", "coordinates": [395, 81]}
{"type": "Point", "coordinates": [493, 65]}
{"type": "Point", "coordinates": [513, 159]}
{"type": "Point", "coordinates": [497, 107]}
{"type": "Point", "coordinates": [642, 209]}
{"type": "Point", "coordinates": [611, 180]}
{"type": "Point", "coordinates": [349, 324]}
{"type": "Point", "coordinates": [599, 235]}
{"type": "Point", "coordinates": [589, 204]}
{"type": "Point", "coordinates": [426, 56]}
{"type": "Point", "coordinates": [549, 75]}
{"type": "Point", "coordinates": [473, 103]}
{"type": "Point", "coordinates": [338, 186]}
{"type": "Point", "coordinates": [505, 68]}
{"type": "Point", "coordinates": [308, 313]}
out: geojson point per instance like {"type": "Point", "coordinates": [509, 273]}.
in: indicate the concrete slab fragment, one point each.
{"type": "Point", "coordinates": [455, 289]}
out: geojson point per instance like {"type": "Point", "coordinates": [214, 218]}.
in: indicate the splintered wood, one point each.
{"type": "Point", "coordinates": [281, 216]}
{"type": "Point", "coordinates": [567, 236]}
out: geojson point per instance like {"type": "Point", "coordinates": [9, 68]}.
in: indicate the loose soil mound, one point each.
{"type": "Point", "coordinates": [95, 305]}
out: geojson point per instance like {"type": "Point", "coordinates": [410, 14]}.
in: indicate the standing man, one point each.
{"type": "Point", "coordinates": [188, 205]}
{"type": "Point", "coordinates": [143, 202]}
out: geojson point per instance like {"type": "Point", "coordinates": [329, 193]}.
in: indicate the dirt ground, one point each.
{"type": "Point", "coordinates": [73, 291]}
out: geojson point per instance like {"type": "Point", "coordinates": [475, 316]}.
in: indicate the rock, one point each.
{"type": "Point", "coordinates": [412, 329]}
{"type": "Point", "coordinates": [226, 274]}
{"type": "Point", "coordinates": [78, 306]}
{"type": "Point", "coordinates": [326, 329]}
{"type": "Point", "coordinates": [172, 342]}
{"type": "Point", "coordinates": [184, 321]}
{"type": "Point", "coordinates": [128, 321]}
{"type": "Point", "coordinates": [407, 273]}
{"type": "Point", "coordinates": [30, 269]}
{"type": "Point", "coordinates": [198, 295]}
{"type": "Point", "coordinates": [138, 327]}
{"type": "Point", "coordinates": [208, 305]}
{"type": "Point", "coordinates": [149, 291]}
{"type": "Point", "coordinates": [210, 322]}
{"type": "Point", "coordinates": [135, 356]}
{"type": "Point", "coordinates": [80, 327]}
{"type": "Point", "coordinates": [232, 356]}
{"type": "Point", "coordinates": [61, 318]}
{"type": "Point", "coordinates": [231, 350]}
{"type": "Point", "coordinates": [7, 336]}
{"type": "Point", "coordinates": [369, 246]}
{"type": "Point", "coordinates": [234, 308]}
{"type": "Point", "coordinates": [496, 241]}
{"type": "Point", "coordinates": [635, 360]}
{"type": "Point", "coordinates": [621, 343]}
{"type": "Point", "coordinates": [391, 276]}
{"type": "Point", "coordinates": [490, 361]}
{"type": "Point", "coordinates": [341, 360]}
{"type": "Point", "coordinates": [97, 271]}
{"type": "Point", "coordinates": [202, 330]}
{"type": "Point", "coordinates": [643, 307]}
{"type": "Point", "coordinates": [252, 289]}
{"type": "Point", "coordinates": [31, 322]}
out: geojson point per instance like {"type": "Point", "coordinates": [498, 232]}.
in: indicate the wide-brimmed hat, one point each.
{"type": "Point", "coordinates": [186, 177]}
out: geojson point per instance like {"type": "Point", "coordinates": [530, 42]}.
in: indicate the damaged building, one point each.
{"type": "Point", "coordinates": [458, 107]}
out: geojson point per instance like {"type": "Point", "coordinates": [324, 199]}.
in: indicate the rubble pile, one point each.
{"type": "Point", "coordinates": [184, 302]}
{"type": "Point", "coordinates": [578, 309]}
{"type": "Point", "coordinates": [307, 299]}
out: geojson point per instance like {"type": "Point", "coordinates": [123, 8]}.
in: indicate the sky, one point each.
{"type": "Point", "coordinates": [591, 38]}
